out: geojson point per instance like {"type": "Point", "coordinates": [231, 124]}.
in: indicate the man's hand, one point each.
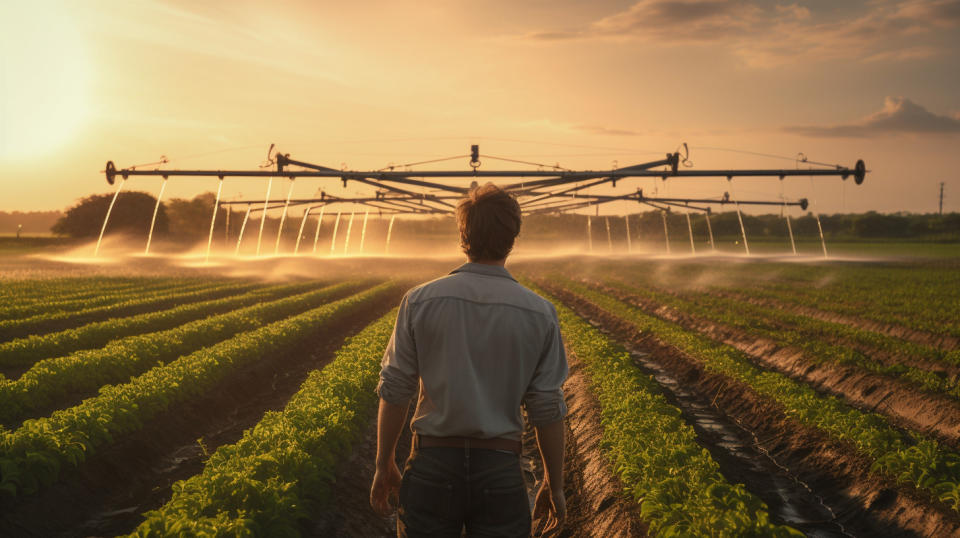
{"type": "Point", "coordinates": [549, 511]}
{"type": "Point", "coordinates": [385, 489]}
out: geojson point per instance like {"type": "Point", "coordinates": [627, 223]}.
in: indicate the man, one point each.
{"type": "Point", "coordinates": [478, 346]}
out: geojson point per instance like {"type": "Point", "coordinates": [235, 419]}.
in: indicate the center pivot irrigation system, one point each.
{"type": "Point", "coordinates": [546, 189]}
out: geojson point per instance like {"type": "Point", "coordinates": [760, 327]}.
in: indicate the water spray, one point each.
{"type": "Point", "coordinates": [743, 230]}
{"type": "Point", "coordinates": [153, 221]}
{"type": "Point", "coordinates": [303, 221]}
{"type": "Point", "coordinates": [793, 244]}
{"type": "Point", "coordinates": [213, 219]}
{"type": "Point", "coordinates": [713, 247]}
{"type": "Point", "coordinates": [346, 243]}
{"type": "Point", "coordinates": [606, 221]}
{"type": "Point", "coordinates": [283, 218]}
{"type": "Point", "coordinates": [263, 215]}
{"type": "Point", "coordinates": [363, 232]}
{"type": "Point", "coordinates": [333, 238]}
{"type": "Point", "coordinates": [666, 230]}
{"type": "Point", "coordinates": [243, 226]}
{"type": "Point", "coordinates": [626, 222]}
{"type": "Point", "coordinates": [589, 234]}
{"type": "Point", "coordinates": [316, 235]}
{"type": "Point", "coordinates": [96, 251]}
{"type": "Point", "coordinates": [386, 249]}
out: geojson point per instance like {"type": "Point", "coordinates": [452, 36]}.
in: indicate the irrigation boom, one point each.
{"type": "Point", "coordinates": [391, 198]}
{"type": "Point", "coordinates": [547, 189]}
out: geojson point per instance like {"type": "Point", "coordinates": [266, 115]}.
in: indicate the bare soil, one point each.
{"type": "Point", "coordinates": [865, 502]}
{"type": "Point", "coordinates": [109, 492]}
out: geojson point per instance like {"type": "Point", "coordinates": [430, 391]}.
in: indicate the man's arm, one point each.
{"type": "Point", "coordinates": [550, 440]}
{"type": "Point", "coordinates": [546, 409]}
{"type": "Point", "coordinates": [386, 480]}
{"type": "Point", "coordinates": [390, 420]}
{"type": "Point", "coordinates": [398, 384]}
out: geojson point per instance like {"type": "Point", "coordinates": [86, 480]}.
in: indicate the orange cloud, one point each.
{"type": "Point", "coordinates": [766, 35]}
{"type": "Point", "coordinates": [899, 115]}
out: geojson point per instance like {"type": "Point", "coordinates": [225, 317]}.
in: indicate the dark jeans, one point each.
{"type": "Point", "coordinates": [445, 490]}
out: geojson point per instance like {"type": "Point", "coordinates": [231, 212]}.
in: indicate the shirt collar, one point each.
{"type": "Point", "coordinates": [484, 269]}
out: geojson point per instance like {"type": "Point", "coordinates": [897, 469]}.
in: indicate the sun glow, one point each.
{"type": "Point", "coordinates": [44, 79]}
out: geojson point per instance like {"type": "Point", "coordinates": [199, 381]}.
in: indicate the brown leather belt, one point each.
{"type": "Point", "coordinates": [497, 443]}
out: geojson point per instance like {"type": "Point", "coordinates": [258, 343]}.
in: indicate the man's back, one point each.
{"type": "Point", "coordinates": [479, 337]}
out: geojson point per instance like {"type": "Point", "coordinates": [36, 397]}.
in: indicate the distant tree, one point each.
{"type": "Point", "coordinates": [190, 219]}
{"type": "Point", "coordinates": [131, 215]}
{"type": "Point", "coordinates": [873, 224]}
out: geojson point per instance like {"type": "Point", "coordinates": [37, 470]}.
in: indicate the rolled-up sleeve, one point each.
{"type": "Point", "coordinates": [543, 399]}
{"type": "Point", "coordinates": [399, 374]}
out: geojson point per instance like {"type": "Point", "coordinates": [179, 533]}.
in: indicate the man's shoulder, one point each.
{"type": "Point", "coordinates": [486, 290]}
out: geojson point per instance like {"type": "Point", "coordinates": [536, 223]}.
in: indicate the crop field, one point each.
{"type": "Point", "coordinates": [707, 397]}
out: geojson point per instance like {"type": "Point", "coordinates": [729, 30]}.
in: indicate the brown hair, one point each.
{"type": "Point", "coordinates": [489, 221]}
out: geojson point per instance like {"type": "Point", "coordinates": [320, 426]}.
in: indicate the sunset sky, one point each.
{"type": "Point", "coordinates": [365, 83]}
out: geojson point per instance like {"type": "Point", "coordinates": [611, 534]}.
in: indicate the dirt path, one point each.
{"type": "Point", "coordinates": [865, 503]}
{"type": "Point", "coordinates": [109, 492]}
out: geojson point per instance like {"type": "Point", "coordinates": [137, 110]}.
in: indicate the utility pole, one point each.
{"type": "Point", "coordinates": [941, 198]}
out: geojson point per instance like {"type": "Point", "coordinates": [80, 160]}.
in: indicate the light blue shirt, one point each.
{"type": "Point", "coordinates": [477, 345]}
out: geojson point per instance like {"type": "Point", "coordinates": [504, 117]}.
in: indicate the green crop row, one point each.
{"type": "Point", "coordinates": [812, 336]}
{"type": "Point", "coordinates": [34, 290]}
{"type": "Point", "coordinates": [30, 349]}
{"type": "Point", "coordinates": [655, 453]}
{"type": "Point", "coordinates": [18, 328]}
{"type": "Point", "coordinates": [921, 298]}
{"type": "Point", "coordinates": [910, 308]}
{"type": "Point", "coordinates": [32, 456]}
{"type": "Point", "coordinates": [907, 459]}
{"type": "Point", "coordinates": [85, 371]}
{"type": "Point", "coordinates": [283, 467]}
{"type": "Point", "coordinates": [55, 303]}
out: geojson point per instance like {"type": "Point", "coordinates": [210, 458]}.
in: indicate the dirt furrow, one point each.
{"type": "Point", "coordinates": [934, 414]}
{"type": "Point", "coordinates": [108, 493]}
{"type": "Point", "coordinates": [865, 503]}
{"type": "Point", "coordinates": [596, 504]}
